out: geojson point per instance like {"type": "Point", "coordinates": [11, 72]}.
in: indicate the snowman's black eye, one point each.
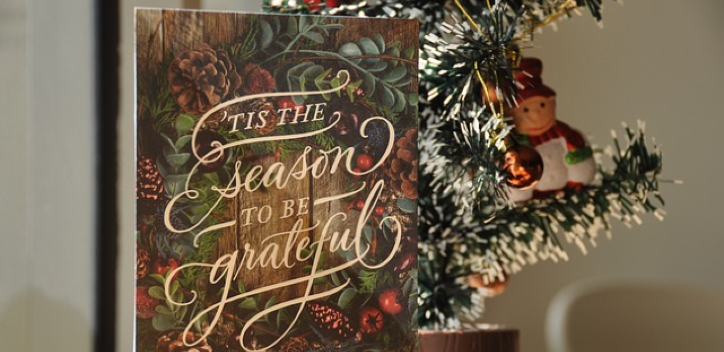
{"type": "Point", "coordinates": [542, 105]}
{"type": "Point", "coordinates": [525, 110]}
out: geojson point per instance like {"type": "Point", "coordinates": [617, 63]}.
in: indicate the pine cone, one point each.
{"type": "Point", "coordinates": [402, 166]}
{"type": "Point", "coordinates": [173, 342]}
{"type": "Point", "coordinates": [225, 330]}
{"type": "Point", "coordinates": [143, 262]}
{"type": "Point", "coordinates": [160, 222]}
{"type": "Point", "coordinates": [149, 183]}
{"type": "Point", "coordinates": [201, 77]}
{"type": "Point", "coordinates": [295, 344]}
{"type": "Point", "coordinates": [272, 118]}
{"type": "Point", "coordinates": [256, 80]}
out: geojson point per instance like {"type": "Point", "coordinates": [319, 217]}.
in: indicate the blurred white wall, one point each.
{"type": "Point", "coordinates": [47, 187]}
{"type": "Point", "coordinates": [659, 61]}
{"type": "Point", "coordinates": [13, 209]}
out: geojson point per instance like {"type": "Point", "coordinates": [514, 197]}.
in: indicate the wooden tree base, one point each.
{"type": "Point", "coordinates": [486, 338]}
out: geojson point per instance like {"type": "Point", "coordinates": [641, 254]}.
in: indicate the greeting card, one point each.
{"type": "Point", "coordinates": [276, 182]}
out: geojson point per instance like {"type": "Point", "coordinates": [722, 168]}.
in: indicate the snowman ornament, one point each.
{"type": "Point", "coordinates": [567, 159]}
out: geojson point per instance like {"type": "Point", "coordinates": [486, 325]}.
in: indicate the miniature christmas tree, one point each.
{"type": "Point", "coordinates": [493, 197]}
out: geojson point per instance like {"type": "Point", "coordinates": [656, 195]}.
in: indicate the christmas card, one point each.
{"type": "Point", "coordinates": [277, 173]}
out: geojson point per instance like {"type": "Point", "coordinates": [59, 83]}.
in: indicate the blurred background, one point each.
{"type": "Point", "coordinates": [658, 61]}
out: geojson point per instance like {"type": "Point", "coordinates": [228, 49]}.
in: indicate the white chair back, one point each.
{"type": "Point", "coordinates": [627, 316]}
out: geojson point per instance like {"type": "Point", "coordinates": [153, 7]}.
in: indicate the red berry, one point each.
{"type": "Point", "coordinates": [314, 5]}
{"type": "Point", "coordinates": [161, 268]}
{"type": "Point", "coordinates": [389, 301]}
{"type": "Point", "coordinates": [371, 320]}
{"type": "Point", "coordinates": [379, 211]}
{"type": "Point", "coordinates": [286, 103]}
{"type": "Point", "coordinates": [145, 304]}
{"type": "Point", "coordinates": [359, 204]}
{"type": "Point", "coordinates": [364, 162]}
{"type": "Point", "coordinates": [405, 262]}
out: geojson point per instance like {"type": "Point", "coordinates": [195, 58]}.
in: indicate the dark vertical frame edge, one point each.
{"type": "Point", "coordinates": [107, 40]}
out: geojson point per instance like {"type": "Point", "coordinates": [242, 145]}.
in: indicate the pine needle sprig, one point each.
{"type": "Point", "coordinates": [540, 226]}
{"type": "Point", "coordinates": [462, 243]}
{"type": "Point", "coordinates": [467, 57]}
{"type": "Point", "coordinates": [429, 12]}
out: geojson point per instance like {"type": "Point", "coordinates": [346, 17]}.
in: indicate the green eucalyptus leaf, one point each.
{"type": "Point", "coordinates": [315, 37]}
{"type": "Point", "coordinates": [335, 279]}
{"type": "Point", "coordinates": [182, 142]}
{"type": "Point", "coordinates": [184, 123]}
{"type": "Point", "coordinates": [335, 83]}
{"type": "Point", "coordinates": [248, 303]}
{"type": "Point", "coordinates": [181, 313]}
{"type": "Point", "coordinates": [303, 24]}
{"type": "Point", "coordinates": [177, 160]}
{"type": "Point", "coordinates": [409, 53]}
{"type": "Point", "coordinates": [351, 88]}
{"type": "Point", "coordinates": [276, 24]}
{"type": "Point", "coordinates": [271, 302]}
{"type": "Point", "coordinates": [403, 82]}
{"type": "Point", "coordinates": [162, 169]}
{"type": "Point", "coordinates": [169, 149]}
{"type": "Point", "coordinates": [282, 317]}
{"type": "Point", "coordinates": [407, 287]}
{"type": "Point", "coordinates": [159, 278]}
{"type": "Point", "coordinates": [351, 50]}
{"type": "Point", "coordinates": [367, 232]}
{"type": "Point", "coordinates": [297, 70]}
{"type": "Point", "coordinates": [395, 75]}
{"type": "Point", "coordinates": [267, 35]}
{"type": "Point", "coordinates": [200, 209]}
{"type": "Point", "coordinates": [174, 285]}
{"type": "Point", "coordinates": [413, 99]}
{"type": "Point", "coordinates": [168, 140]}
{"type": "Point", "coordinates": [380, 41]}
{"type": "Point", "coordinates": [400, 101]}
{"type": "Point", "coordinates": [379, 66]}
{"type": "Point", "coordinates": [302, 86]}
{"type": "Point", "coordinates": [322, 76]}
{"type": "Point", "coordinates": [157, 292]}
{"type": "Point", "coordinates": [311, 73]}
{"type": "Point", "coordinates": [369, 84]}
{"type": "Point", "coordinates": [394, 50]}
{"type": "Point", "coordinates": [174, 184]}
{"type": "Point", "coordinates": [388, 98]}
{"type": "Point", "coordinates": [369, 48]}
{"type": "Point", "coordinates": [292, 26]}
{"type": "Point", "coordinates": [333, 26]}
{"type": "Point", "coordinates": [407, 205]}
{"type": "Point", "coordinates": [162, 309]}
{"type": "Point", "coordinates": [212, 177]}
{"type": "Point", "coordinates": [345, 299]}
{"type": "Point", "coordinates": [163, 322]}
